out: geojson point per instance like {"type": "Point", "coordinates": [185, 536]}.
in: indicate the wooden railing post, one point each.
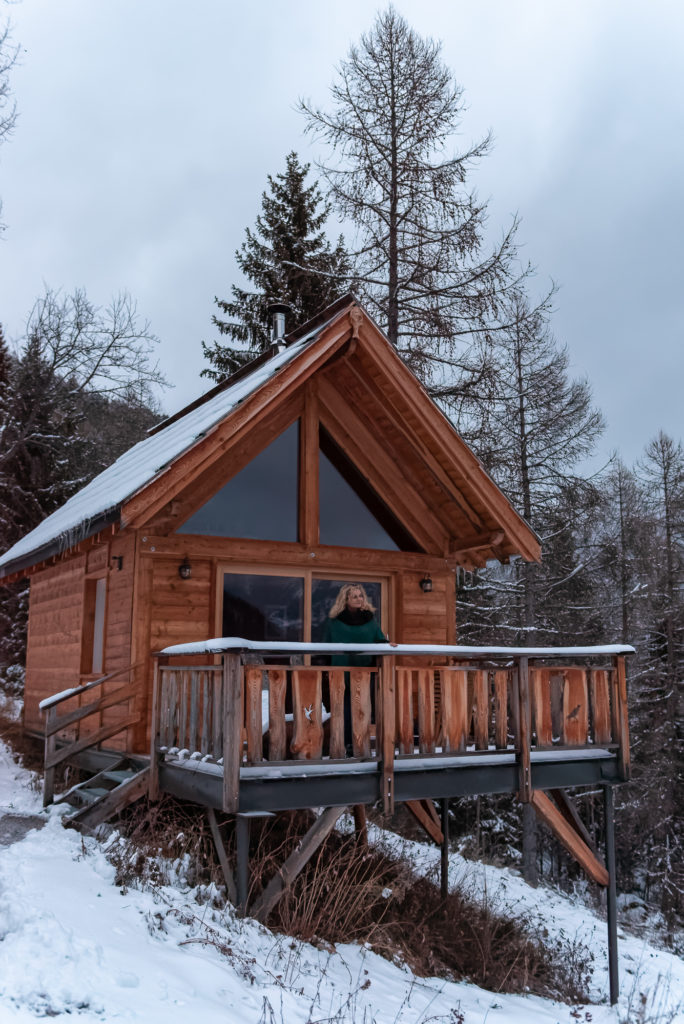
{"type": "Point", "coordinates": [622, 721]}
{"type": "Point", "coordinates": [387, 732]}
{"type": "Point", "coordinates": [155, 731]}
{"type": "Point", "coordinates": [524, 736]}
{"type": "Point", "coordinates": [50, 747]}
{"type": "Point", "coordinates": [232, 731]}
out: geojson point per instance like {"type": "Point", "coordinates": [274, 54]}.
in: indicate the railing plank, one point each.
{"type": "Point", "coordinates": [253, 714]}
{"type": "Point", "coordinates": [277, 732]}
{"type": "Point", "coordinates": [205, 742]}
{"type": "Point", "coordinates": [426, 711]}
{"type": "Point", "coordinates": [183, 729]}
{"type": "Point", "coordinates": [307, 742]}
{"type": "Point", "coordinates": [359, 685]}
{"type": "Point", "coordinates": [405, 722]}
{"type": "Point", "coordinates": [501, 709]}
{"type": "Point", "coordinates": [337, 686]}
{"type": "Point", "coordinates": [386, 706]}
{"type": "Point", "coordinates": [217, 716]}
{"type": "Point", "coordinates": [481, 709]}
{"type": "Point", "coordinates": [454, 709]}
{"type": "Point", "coordinates": [599, 690]}
{"type": "Point", "coordinates": [575, 721]}
{"type": "Point", "coordinates": [194, 711]}
{"type": "Point", "coordinates": [540, 696]}
{"type": "Point", "coordinates": [623, 722]}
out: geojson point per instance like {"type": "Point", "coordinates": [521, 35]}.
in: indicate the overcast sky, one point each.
{"type": "Point", "coordinates": [147, 129]}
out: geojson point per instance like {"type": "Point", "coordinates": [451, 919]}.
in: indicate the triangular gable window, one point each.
{"type": "Point", "coordinates": [261, 501]}
{"type": "Point", "coordinates": [351, 514]}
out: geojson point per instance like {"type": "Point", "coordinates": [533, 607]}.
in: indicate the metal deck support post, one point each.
{"type": "Point", "coordinates": [612, 898]}
{"type": "Point", "coordinates": [242, 829]}
{"type": "Point", "coordinates": [445, 849]}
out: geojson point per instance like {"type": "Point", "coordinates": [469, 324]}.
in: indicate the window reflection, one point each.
{"type": "Point", "coordinates": [350, 512]}
{"type": "Point", "coordinates": [261, 501]}
{"type": "Point", "coordinates": [323, 594]}
{"type": "Point", "coordinates": [263, 607]}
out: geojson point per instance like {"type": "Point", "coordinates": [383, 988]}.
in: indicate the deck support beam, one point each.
{"type": "Point", "coordinates": [613, 973]}
{"type": "Point", "coordinates": [221, 853]}
{"type": "Point", "coordinates": [444, 875]}
{"type": "Point", "coordinates": [242, 829]}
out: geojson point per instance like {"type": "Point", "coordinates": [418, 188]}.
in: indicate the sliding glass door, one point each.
{"type": "Point", "coordinates": [273, 605]}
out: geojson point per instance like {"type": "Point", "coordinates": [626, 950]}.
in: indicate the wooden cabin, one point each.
{"type": "Point", "coordinates": [323, 461]}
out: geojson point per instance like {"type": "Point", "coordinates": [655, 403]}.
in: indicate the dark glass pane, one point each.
{"type": "Point", "coordinates": [261, 501]}
{"type": "Point", "coordinates": [323, 594]}
{"type": "Point", "coordinates": [351, 513]}
{"type": "Point", "coordinates": [263, 607]}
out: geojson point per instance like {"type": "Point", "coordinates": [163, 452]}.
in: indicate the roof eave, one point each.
{"type": "Point", "coordinates": [57, 546]}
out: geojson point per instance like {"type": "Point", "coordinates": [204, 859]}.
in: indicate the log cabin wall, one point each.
{"type": "Point", "coordinates": [53, 653]}
{"type": "Point", "coordinates": [60, 607]}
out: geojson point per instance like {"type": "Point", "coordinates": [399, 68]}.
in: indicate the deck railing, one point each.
{"type": "Point", "coordinates": [468, 702]}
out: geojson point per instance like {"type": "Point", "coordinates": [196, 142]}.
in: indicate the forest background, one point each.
{"type": "Point", "coordinates": [471, 319]}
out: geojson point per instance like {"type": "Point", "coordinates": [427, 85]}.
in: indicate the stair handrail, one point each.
{"type": "Point", "coordinates": [75, 691]}
{"type": "Point", "coordinates": [55, 722]}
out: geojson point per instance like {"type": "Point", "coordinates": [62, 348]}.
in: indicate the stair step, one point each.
{"type": "Point", "coordinates": [92, 793]}
{"type": "Point", "coordinates": [120, 776]}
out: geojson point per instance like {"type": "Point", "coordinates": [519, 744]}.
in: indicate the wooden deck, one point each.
{"type": "Point", "coordinates": [248, 738]}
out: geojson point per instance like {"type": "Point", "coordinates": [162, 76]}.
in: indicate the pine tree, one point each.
{"type": "Point", "coordinates": [287, 258]}
{"type": "Point", "coordinates": [421, 260]}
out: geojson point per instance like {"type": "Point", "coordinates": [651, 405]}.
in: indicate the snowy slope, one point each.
{"type": "Point", "coordinates": [72, 943]}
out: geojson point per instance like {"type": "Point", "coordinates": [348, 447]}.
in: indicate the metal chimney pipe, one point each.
{"type": "Point", "coordinates": [277, 311]}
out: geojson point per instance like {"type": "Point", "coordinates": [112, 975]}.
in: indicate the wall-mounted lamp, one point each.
{"type": "Point", "coordinates": [185, 569]}
{"type": "Point", "coordinates": [117, 562]}
{"type": "Point", "coordinates": [426, 583]}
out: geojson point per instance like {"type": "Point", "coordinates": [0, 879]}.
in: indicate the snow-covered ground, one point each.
{"type": "Point", "coordinates": [72, 942]}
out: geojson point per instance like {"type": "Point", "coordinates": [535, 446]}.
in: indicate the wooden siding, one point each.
{"type": "Point", "coordinates": [180, 609]}
{"type": "Point", "coordinates": [424, 617]}
{"type": "Point", "coordinates": [53, 655]}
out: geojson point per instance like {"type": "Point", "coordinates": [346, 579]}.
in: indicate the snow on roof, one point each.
{"type": "Point", "coordinates": [139, 465]}
{"type": "Point", "coordinates": [237, 643]}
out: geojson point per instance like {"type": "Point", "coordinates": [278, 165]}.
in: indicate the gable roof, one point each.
{"type": "Point", "coordinates": [122, 490]}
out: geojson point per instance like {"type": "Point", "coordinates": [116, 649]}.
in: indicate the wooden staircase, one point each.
{"type": "Point", "coordinates": [105, 794]}
{"type": "Point", "coordinates": [123, 779]}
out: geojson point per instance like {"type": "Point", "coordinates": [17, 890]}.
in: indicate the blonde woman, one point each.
{"type": "Point", "coordinates": [351, 620]}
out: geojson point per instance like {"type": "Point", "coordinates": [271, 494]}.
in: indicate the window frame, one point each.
{"type": "Point", "coordinates": [308, 575]}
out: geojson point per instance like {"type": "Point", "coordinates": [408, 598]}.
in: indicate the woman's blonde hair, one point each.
{"type": "Point", "coordinates": [341, 600]}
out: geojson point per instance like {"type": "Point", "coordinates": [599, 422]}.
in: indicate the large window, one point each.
{"type": "Point", "coordinates": [260, 606]}
{"type": "Point", "coordinates": [259, 502]}
{"type": "Point", "coordinates": [351, 514]}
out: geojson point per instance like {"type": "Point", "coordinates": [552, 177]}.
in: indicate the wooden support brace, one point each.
{"type": "Point", "coordinates": [425, 814]}
{"type": "Point", "coordinates": [567, 808]}
{"type": "Point", "coordinates": [547, 811]}
{"type": "Point", "coordinates": [297, 860]}
{"type": "Point", "coordinates": [223, 860]}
